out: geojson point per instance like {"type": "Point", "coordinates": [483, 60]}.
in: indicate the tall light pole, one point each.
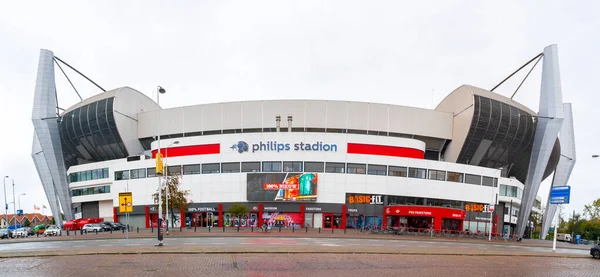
{"type": "Point", "coordinates": [5, 201]}
{"type": "Point", "coordinates": [160, 90]}
{"type": "Point", "coordinates": [167, 181]}
{"type": "Point", "coordinates": [494, 202]}
{"type": "Point", "coordinates": [14, 205]}
{"type": "Point", "coordinates": [20, 199]}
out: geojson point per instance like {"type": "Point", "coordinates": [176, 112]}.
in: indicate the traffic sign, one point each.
{"type": "Point", "coordinates": [19, 212]}
{"type": "Point", "coordinates": [560, 195]}
{"type": "Point", "coordinates": [491, 208]}
{"type": "Point", "coordinates": [125, 202]}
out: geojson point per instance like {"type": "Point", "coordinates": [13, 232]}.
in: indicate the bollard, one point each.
{"type": "Point", "coordinates": [319, 230]}
{"type": "Point", "coordinates": [111, 231]}
{"type": "Point", "coordinates": [223, 228]}
{"type": "Point", "coordinates": [344, 230]}
{"type": "Point", "coordinates": [332, 230]}
{"type": "Point", "coordinates": [306, 229]}
{"type": "Point", "coordinates": [123, 231]}
{"type": "Point", "coordinates": [180, 229]}
{"type": "Point", "coordinates": [194, 229]}
{"type": "Point", "coordinates": [138, 229]}
{"type": "Point", "coordinates": [252, 229]}
{"type": "Point", "coordinates": [96, 231]}
{"type": "Point", "coordinates": [238, 228]}
{"type": "Point", "coordinates": [292, 228]}
{"type": "Point", "coordinates": [38, 234]}
{"type": "Point", "coordinates": [279, 229]}
{"type": "Point", "coordinates": [152, 229]}
{"type": "Point", "coordinates": [67, 232]}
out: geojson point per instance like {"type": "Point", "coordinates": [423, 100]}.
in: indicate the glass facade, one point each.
{"type": "Point", "coordinates": [90, 191]}
{"type": "Point", "coordinates": [88, 175]}
{"type": "Point", "coordinates": [89, 133]}
{"type": "Point", "coordinates": [511, 191]}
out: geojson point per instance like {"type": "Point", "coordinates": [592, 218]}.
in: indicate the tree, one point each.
{"type": "Point", "coordinates": [26, 223]}
{"type": "Point", "coordinates": [592, 211]}
{"type": "Point", "coordinates": [177, 197]}
{"type": "Point", "coordinates": [238, 210]}
{"type": "Point", "coordinates": [52, 222]}
{"type": "Point", "coordinates": [562, 224]}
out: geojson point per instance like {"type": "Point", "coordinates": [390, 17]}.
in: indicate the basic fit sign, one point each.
{"type": "Point", "coordinates": [365, 199]}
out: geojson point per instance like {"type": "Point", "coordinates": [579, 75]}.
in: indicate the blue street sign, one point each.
{"type": "Point", "coordinates": [6, 208]}
{"type": "Point", "coordinates": [19, 212]}
{"type": "Point", "coordinates": [560, 195]}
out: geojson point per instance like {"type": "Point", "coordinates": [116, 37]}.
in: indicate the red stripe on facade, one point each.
{"type": "Point", "coordinates": [191, 150]}
{"type": "Point", "coordinates": [385, 150]}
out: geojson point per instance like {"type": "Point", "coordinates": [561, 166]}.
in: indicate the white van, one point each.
{"type": "Point", "coordinates": [563, 237]}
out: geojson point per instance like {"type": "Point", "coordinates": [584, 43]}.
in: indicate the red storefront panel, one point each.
{"type": "Point", "coordinates": [385, 150]}
{"type": "Point", "coordinates": [437, 213]}
{"type": "Point", "coordinates": [191, 150]}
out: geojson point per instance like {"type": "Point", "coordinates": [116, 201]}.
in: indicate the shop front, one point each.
{"type": "Point", "coordinates": [324, 216]}
{"type": "Point", "coordinates": [422, 218]}
{"type": "Point", "coordinates": [364, 211]}
{"type": "Point", "coordinates": [202, 216]}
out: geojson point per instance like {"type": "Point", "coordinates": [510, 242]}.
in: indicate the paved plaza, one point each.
{"type": "Point", "coordinates": [329, 265]}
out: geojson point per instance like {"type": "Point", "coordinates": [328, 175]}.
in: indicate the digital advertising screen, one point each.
{"type": "Point", "coordinates": [281, 187]}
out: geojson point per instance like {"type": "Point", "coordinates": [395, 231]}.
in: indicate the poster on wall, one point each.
{"type": "Point", "coordinates": [280, 219]}
{"type": "Point", "coordinates": [282, 187]}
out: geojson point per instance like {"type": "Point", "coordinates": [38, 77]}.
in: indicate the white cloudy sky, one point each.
{"type": "Point", "coordinates": [402, 52]}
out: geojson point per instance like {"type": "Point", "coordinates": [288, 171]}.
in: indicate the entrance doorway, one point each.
{"type": "Point", "coordinates": [327, 221]}
{"type": "Point", "coordinates": [203, 219]}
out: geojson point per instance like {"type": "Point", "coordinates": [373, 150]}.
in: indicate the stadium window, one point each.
{"type": "Point", "coordinates": [138, 173]}
{"type": "Point", "coordinates": [419, 173]}
{"type": "Point", "coordinates": [230, 167]}
{"type": "Point", "coordinates": [472, 179]}
{"type": "Point", "coordinates": [376, 169]}
{"type": "Point", "coordinates": [250, 166]}
{"type": "Point", "coordinates": [356, 168]}
{"type": "Point", "coordinates": [292, 166]}
{"type": "Point", "coordinates": [151, 172]}
{"type": "Point", "coordinates": [335, 167]}
{"type": "Point", "coordinates": [398, 171]}
{"type": "Point", "coordinates": [314, 166]}
{"type": "Point", "coordinates": [455, 177]}
{"type": "Point", "coordinates": [121, 175]}
{"type": "Point", "coordinates": [211, 168]}
{"type": "Point", "coordinates": [190, 169]}
{"type": "Point", "coordinates": [437, 175]}
{"type": "Point", "coordinates": [271, 166]}
{"type": "Point", "coordinates": [487, 181]}
{"type": "Point", "coordinates": [174, 170]}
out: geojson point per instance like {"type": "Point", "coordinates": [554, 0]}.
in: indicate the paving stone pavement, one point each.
{"type": "Point", "coordinates": [330, 265]}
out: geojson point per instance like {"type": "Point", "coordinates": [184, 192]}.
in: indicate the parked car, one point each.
{"type": "Point", "coordinates": [105, 227]}
{"type": "Point", "coordinates": [21, 233]}
{"type": "Point", "coordinates": [595, 251]}
{"type": "Point", "coordinates": [4, 233]}
{"type": "Point", "coordinates": [90, 228]}
{"type": "Point", "coordinates": [52, 230]}
{"type": "Point", "coordinates": [39, 229]}
{"type": "Point", "coordinates": [112, 225]}
{"type": "Point", "coordinates": [29, 231]}
{"type": "Point", "coordinates": [120, 225]}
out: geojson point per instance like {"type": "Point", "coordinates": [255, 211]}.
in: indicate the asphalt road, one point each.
{"type": "Point", "coordinates": [311, 264]}
{"type": "Point", "coordinates": [274, 242]}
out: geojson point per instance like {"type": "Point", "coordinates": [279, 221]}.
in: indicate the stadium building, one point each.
{"type": "Point", "coordinates": [474, 162]}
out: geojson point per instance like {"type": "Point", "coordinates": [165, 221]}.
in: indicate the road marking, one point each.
{"type": "Point", "coordinates": [327, 244]}
{"type": "Point", "coordinates": [189, 243]}
{"type": "Point", "coordinates": [105, 245]}
{"type": "Point", "coordinates": [134, 244]}
{"type": "Point", "coordinates": [217, 243]}
{"type": "Point", "coordinates": [275, 243]}
{"type": "Point", "coordinates": [218, 238]}
{"type": "Point", "coordinates": [245, 243]}
{"type": "Point", "coordinates": [78, 245]}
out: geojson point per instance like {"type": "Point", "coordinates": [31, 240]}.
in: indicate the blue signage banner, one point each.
{"type": "Point", "coordinates": [560, 195]}
{"type": "Point", "coordinates": [19, 212]}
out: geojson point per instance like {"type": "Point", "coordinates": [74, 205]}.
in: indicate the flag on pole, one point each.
{"type": "Point", "coordinates": [44, 206]}
{"type": "Point", "coordinates": [36, 208]}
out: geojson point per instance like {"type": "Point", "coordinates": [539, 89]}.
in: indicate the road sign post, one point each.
{"type": "Point", "coordinates": [126, 206]}
{"type": "Point", "coordinates": [559, 195]}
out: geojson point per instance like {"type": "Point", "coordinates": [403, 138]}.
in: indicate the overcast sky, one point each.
{"type": "Point", "coordinates": [409, 53]}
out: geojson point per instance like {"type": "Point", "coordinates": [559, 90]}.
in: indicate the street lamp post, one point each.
{"type": "Point", "coordinates": [14, 205]}
{"type": "Point", "coordinates": [20, 199]}
{"type": "Point", "coordinates": [5, 201]}
{"type": "Point", "coordinates": [494, 202]}
{"type": "Point", "coordinates": [159, 91]}
{"type": "Point", "coordinates": [167, 181]}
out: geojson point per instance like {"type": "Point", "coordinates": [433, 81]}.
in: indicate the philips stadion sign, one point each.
{"type": "Point", "coordinates": [274, 146]}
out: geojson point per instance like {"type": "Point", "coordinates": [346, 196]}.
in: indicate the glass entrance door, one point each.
{"type": "Point", "coordinates": [327, 221]}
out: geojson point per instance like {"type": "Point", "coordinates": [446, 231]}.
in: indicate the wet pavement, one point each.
{"type": "Point", "coordinates": [330, 265]}
{"type": "Point", "coordinates": [277, 242]}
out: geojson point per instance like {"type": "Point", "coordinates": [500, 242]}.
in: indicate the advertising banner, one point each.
{"type": "Point", "coordinates": [282, 186]}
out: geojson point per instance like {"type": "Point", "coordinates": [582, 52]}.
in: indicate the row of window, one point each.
{"type": "Point", "coordinates": [511, 191]}
{"type": "Point", "coordinates": [90, 191]}
{"type": "Point", "coordinates": [88, 175]}
{"type": "Point", "coordinates": [327, 167]}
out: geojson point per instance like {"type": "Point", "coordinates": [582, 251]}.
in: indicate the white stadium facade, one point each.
{"type": "Point", "coordinates": [308, 163]}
